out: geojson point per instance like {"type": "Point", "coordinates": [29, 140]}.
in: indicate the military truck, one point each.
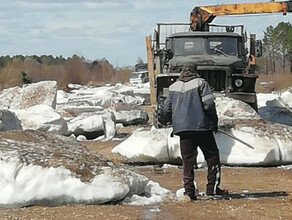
{"type": "Point", "coordinates": [221, 57]}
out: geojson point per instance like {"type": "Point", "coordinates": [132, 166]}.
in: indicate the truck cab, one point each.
{"type": "Point", "coordinates": [221, 59]}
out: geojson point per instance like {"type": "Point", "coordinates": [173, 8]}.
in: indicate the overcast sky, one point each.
{"type": "Point", "coordinates": [95, 29]}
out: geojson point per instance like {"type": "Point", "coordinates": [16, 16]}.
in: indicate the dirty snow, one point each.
{"type": "Point", "coordinates": [276, 107]}
{"type": "Point", "coordinates": [43, 118]}
{"type": "Point", "coordinates": [272, 143]}
{"type": "Point", "coordinates": [43, 182]}
{"type": "Point", "coordinates": [150, 146]}
{"type": "Point", "coordinates": [92, 124]}
{"type": "Point", "coordinates": [23, 185]}
{"type": "Point", "coordinates": [100, 96]}
{"type": "Point", "coordinates": [37, 168]}
{"type": "Point", "coordinates": [158, 146]}
{"type": "Point", "coordinates": [82, 111]}
{"type": "Point", "coordinates": [43, 92]}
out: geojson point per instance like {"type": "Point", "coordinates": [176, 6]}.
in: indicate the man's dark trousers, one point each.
{"type": "Point", "coordinates": [189, 141]}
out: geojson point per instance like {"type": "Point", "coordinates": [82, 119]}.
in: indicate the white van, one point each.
{"type": "Point", "coordinates": [139, 77]}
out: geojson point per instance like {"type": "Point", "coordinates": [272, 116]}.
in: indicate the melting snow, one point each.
{"type": "Point", "coordinates": [41, 168]}
{"type": "Point", "coordinates": [276, 107]}
{"type": "Point", "coordinates": [272, 143]}
{"type": "Point", "coordinates": [46, 169]}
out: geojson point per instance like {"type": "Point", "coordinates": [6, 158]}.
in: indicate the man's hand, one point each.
{"type": "Point", "coordinates": [171, 134]}
{"type": "Point", "coordinates": [216, 129]}
{"type": "Point", "coordinates": [160, 117]}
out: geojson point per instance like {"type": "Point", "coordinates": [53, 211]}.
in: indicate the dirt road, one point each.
{"type": "Point", "coordinates": [234, 179]}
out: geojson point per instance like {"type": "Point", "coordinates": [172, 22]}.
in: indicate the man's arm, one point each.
{"type": "Point", "coordinates": [208, 101]}
{"type": "Point", "coordinates": [167, 107]}
{"type": "Point", "coordinates": [163, 113]}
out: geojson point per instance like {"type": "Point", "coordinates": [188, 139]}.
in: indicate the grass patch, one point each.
{"type": "Point", "coordinates": [275, 82]}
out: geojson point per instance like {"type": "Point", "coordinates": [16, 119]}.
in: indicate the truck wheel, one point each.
{"type": "Point", "coordinates": [160, 119]}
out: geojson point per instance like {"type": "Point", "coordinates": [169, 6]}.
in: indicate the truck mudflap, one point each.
{"type": "Point", "coordinates": [249, 98]}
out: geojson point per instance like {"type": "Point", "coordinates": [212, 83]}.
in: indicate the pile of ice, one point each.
{"type": "Point", "coordinates": [34, 105]}
{"type": "Point", "coordinates": [92, 125]}
{"type": "Point", "coordinates": [272, 143]}
{"type": "Point", "coordinates": [85, 111]}
{"type": "Point", "coordinates": [29, 95]}
{"type": "Point", "coordinates": [284, 99]}
{"type": "Point", "coordinates": [99, 96]}
{"type": "Point", "coordinates": [46, 169]}
{"type": "Point", "coordinates": [151, 146]}
{"type": "Point", "coordinates": [276, 107]}
{"type": "Point", "coordinates": [42, 118]}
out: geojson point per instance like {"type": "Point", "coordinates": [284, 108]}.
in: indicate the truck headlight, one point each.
{"type": "Point", "coordinates": [238, 82]}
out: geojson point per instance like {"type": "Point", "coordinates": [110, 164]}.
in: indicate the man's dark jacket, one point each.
{"type": "Point", "coordinates": [190, 105]}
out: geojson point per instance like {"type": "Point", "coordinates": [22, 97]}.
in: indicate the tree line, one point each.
{"type": "Point", "coordinates": [277, 48]}
{"type": "Point", "coordinates": [44, 59]}
{"type": "Point", "coordinates": [18, 70]}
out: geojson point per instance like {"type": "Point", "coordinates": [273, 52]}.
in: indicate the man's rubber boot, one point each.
{"type": "Point", "coordinates": [219, 192]}
{"type": "Point", "coordinates": [190, 197]}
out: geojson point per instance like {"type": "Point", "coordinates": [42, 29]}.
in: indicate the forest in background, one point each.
{"type": "Point", "coordinates": [16, 70]}
{"type": "Point", "coordinates": [275, 66]}
{"type": "Point", "coordinates": [277, 50]}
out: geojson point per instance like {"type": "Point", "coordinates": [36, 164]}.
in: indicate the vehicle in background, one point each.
{"type": "Point", "coordinates": [140, 77]}
{"type": "Point", "coordinates": [141, 67]}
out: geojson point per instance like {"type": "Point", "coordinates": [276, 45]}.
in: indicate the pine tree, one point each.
{"type": "Point", "coordinates": [25, 78]}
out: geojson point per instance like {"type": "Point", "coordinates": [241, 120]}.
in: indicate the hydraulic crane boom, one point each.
{"type": "Point", "coordinates": [201, 16]}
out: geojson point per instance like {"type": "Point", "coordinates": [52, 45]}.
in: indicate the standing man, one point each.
{"type": "Point", "coordinates": [191, 108]}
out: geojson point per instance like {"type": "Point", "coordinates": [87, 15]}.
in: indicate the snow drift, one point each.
{"type": "Point", "coordinates": [272, 142]}
{"type": "Point", "coordinates": [47, 169]}
{"type": "Point", "coordinates": [43, 92]}
{"type": "Point", "coordinates": [85, 111]}
{"type": "Point", "coordinates": [99, 96]}
{"type": "Point", "coordinates": [42, 118]}
{"type": "Point", "coordinates": [277, 107]}
{"type": "Point", "coordinates": [92, 125]}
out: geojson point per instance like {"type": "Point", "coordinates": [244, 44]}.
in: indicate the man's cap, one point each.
{"type": "Point", "coordinates": [189, 68]}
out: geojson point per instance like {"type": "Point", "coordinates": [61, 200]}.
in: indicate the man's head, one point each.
{"type": "Point", "coordinates": [189, 72]}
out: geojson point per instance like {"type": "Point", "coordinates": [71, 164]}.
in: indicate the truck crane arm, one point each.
{"type": "Point", "coordinates": [201, 16]}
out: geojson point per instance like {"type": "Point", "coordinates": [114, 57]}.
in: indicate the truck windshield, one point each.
{"type": "Point", "coordinates": [225, 46]}
{"type": "Point", "coordinates": [188, 46]}
{"type": "Point", "coordinates": [135, 75]}
{"type": "Point", "coordinates": [219, 46]}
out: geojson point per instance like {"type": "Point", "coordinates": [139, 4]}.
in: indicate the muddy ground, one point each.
{"type": "Point", "coordinates": [235, 179]}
